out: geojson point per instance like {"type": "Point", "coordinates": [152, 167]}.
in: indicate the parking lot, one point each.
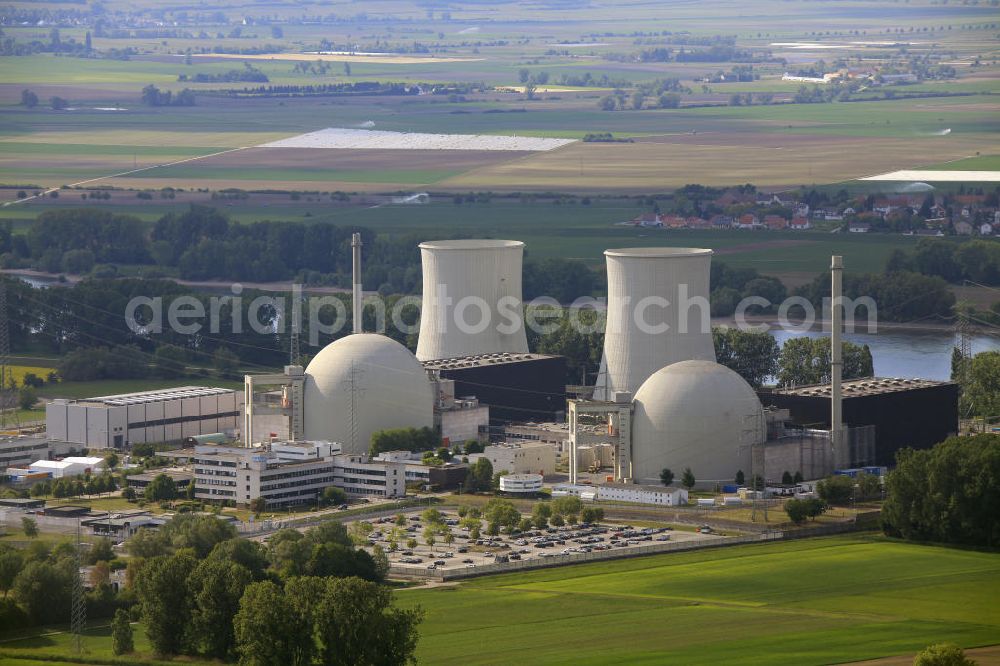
{"type": "Point", "coordinates": [466, 552]}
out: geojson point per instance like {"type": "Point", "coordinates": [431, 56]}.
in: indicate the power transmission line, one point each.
{"type": "Point", "coordinates": [78, 602]}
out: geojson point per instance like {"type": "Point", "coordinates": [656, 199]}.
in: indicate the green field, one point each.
{"type": "Point", "coordinates": [816, 601]}
{"type": "Point", "coordinates": [569, 230]}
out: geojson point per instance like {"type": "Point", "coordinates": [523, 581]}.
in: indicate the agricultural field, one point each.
{"type": "Point", "coordinates": [816, 601]}
{"type": "Point", "coordinates": [466, 70]}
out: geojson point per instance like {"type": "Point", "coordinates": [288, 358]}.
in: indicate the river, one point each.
{"type": "Point", "coordinates": [908, 352]}
{"type": "Point", "coordinates": [896, 352]}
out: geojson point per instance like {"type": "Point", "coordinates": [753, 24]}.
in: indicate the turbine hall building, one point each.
{"type": "Point", "coordinates": [516, 387]}
{"type": "Point", "coordinates": [916, 413]}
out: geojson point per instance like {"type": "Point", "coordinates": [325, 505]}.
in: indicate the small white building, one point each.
{"type": "Point", "coordinates": [639, 494]}
{"type": "Point", "coordinates": [67, 467]}
{"type": "Point", "coordinates": [523, 484]}
{"type": "Point", "coordinates": [584, 492]}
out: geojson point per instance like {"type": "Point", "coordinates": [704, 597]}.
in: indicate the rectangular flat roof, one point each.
{"type": "Point", "coordinates": [640, 487]}
{"type": "Point", "coordinates": [853, 388]}
{"type": "Point", "coordinates": [173, 474]}
{"type": "Point", "coordinates": [51, 464]}
{"type": "Point", "coordinates": [482, 360]}
{"type": "Point", "coordinates": [159, 395]}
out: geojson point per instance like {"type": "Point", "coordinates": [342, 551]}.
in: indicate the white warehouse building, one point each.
{"type": "Point", "coordinates": [166, 415]}
{"type": "Point", "coordinates": [70, 466]}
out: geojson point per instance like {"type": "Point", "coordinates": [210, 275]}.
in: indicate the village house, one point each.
{"type": "Point", "coordinates": [721, 222]}
{"type": "Point", "coordinates": [775, 222]}
{"type": "Point", "coordinates": [963, 228]}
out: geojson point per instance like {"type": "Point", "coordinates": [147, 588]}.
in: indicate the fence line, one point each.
{"type": "Point", "coordinates": [442, 575]}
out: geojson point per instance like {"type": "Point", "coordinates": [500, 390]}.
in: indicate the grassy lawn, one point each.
{"type": "Point", "coordinates": [50, 644]}
{"type": "Point", "coordinates": [815, 601]}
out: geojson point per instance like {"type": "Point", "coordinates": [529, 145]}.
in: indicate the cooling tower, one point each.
{"type": "Point", "coordinates": [472, 299]}
{"type": "Point", "coordinates": [658, 314]}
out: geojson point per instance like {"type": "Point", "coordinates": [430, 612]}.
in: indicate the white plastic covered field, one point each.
{"type": "Point", "coordinates": [337, 137]}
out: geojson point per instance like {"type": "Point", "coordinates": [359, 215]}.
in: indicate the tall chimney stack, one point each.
{"type": "Point", "coordinates": [356, 283]}
{"type": "Point", "coordinates": [836, 357]}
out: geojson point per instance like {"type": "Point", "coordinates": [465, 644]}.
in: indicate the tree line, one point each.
{"type": "Point", "coordinates": [949, 493]}
{"type": "Point", "coordinates": [200, 590]}
{"type": "Point", "coordinates": [974, 260]}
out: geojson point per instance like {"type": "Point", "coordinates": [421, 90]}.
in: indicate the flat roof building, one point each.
{"type": "Point", "coordinates": [642, 494]}
{"type": "Point", "coordinates": [70, 466]}
{"type": "Point", "coordinates": [516, 387]}
{"type": "Point", "coordinates": [520, 458]}
{"type": "Point", "coordinates": [21, 450]}
{"type": "Point", "coordinates": [915, 413]}
{"type": "Point", "coordinates": [182, 478]}
{"type": "Point", "coordinates": [290, 473]}
{"type": "Point", "coordinates": [521, 484]}
{"type": "Point", "coordinates": [164, 415]}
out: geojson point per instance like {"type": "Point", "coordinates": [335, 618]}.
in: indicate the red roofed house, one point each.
{"type": "Point", "coordinates": [800, 223]}
{"type": "Point", "coordinates": [775, 222]}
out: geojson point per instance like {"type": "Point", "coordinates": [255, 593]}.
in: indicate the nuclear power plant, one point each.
{"type": "Point", "coordinates": [660, 400]}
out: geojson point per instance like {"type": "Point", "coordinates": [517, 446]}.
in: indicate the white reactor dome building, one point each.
{"type": "Point", "coordinates": [658, 314]}
{"type": "Point", "coordinates": [696, 414]}
{"type": "Point", "coordinates": [471, 299]}
{"type": "Point", "coordinates": [375, 377]}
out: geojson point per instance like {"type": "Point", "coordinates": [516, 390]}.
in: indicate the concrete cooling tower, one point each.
{"type": "Point", "coordinates": [361, 384]}
{"type": "Point", "coordinates": [654, 318]}
{"type": "Point", "coordinates": [471, 299]}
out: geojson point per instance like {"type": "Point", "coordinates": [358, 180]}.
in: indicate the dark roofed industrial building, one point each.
{"type": "Point", "coordinates": [915, 413]}
{"type": "Point", "coordinates": [517, 387]}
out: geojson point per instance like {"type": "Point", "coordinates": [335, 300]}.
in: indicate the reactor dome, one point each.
{"type": "Point", "coordinates": [378, 378]}
{"type": "Point", "coordinates": [696, 414]}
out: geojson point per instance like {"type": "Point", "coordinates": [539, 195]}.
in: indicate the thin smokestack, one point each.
{"type": "Point", "coordinates": [836, 353]}
{"type": "Point", "coordinates": [356, 282]}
